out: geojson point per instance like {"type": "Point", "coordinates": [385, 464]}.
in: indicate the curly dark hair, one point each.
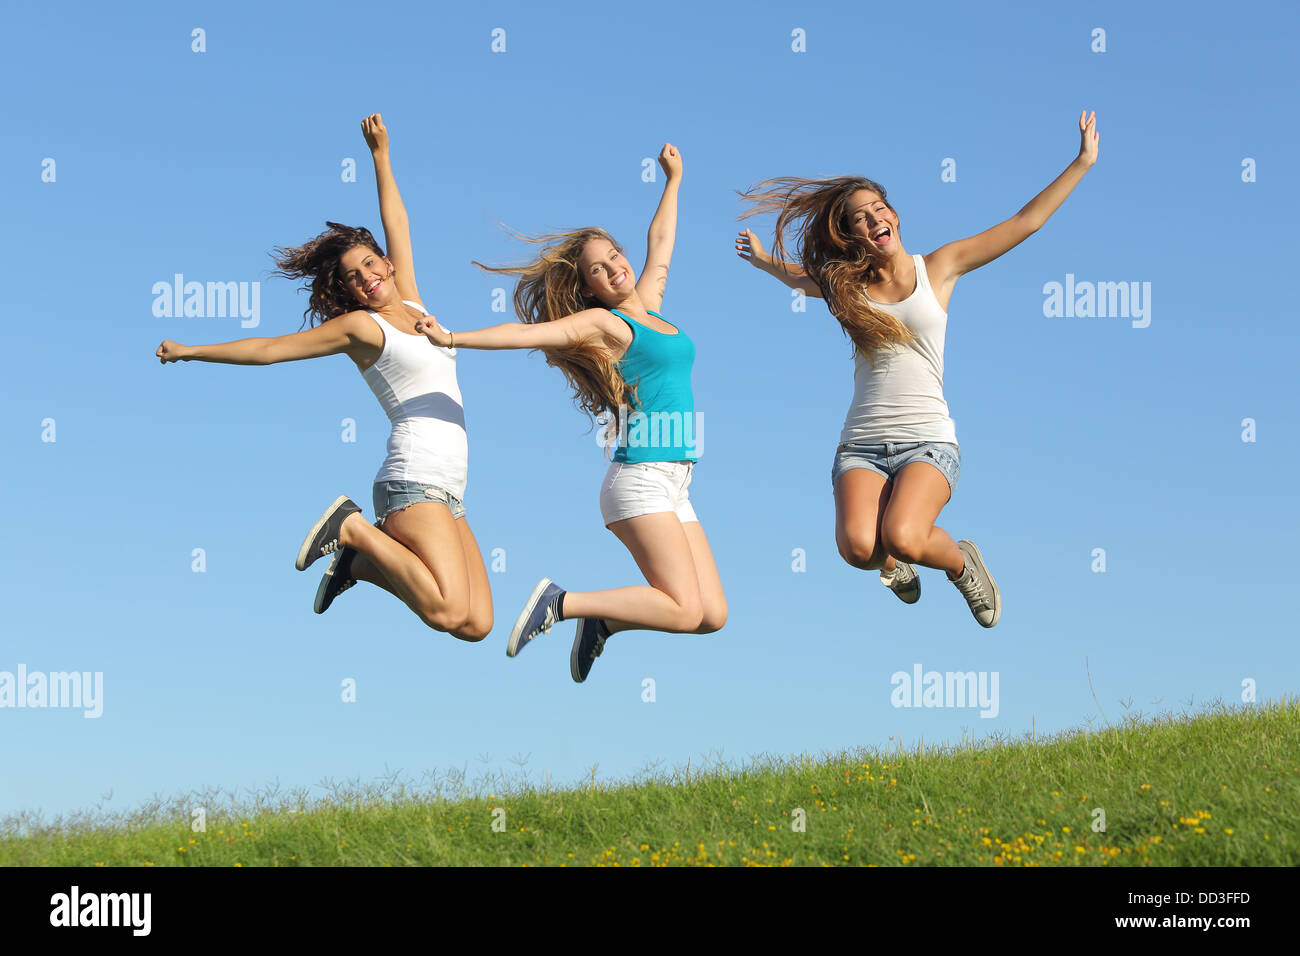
{"type": "Point", "coordinates": [318, 260]}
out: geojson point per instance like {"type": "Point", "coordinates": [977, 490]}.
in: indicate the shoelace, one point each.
{"type": "Point", "coordinates": [548, 620]}
{"type": "Point", "coordinates": [974, 592]}
{"type": "Point", "coordinates": [330, 547]}
{"type": "Point", "coordinates": [598, 647]}
{"type": "Point", "coordinates": [900, 579]}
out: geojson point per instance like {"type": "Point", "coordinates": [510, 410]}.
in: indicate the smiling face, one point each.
{"type": "Point", "coordinates": [368, 276]}
{"type": "Point", "coordinates": [871, 217]}
{"type": "Point", "coordinates": [606, 272]}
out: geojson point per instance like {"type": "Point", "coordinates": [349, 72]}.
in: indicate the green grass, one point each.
{"type": "Point", "coordinates": [1218, 788]}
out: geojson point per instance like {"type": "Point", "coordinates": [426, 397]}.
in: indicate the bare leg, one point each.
{"type": "Point", "coordinates": [712, 598]}
{"type": "Point", "coordinates": [672, 602]}
{"type": "Point", "coordinates": [861, 498]}
{"type": "Point", "coordinates": [908, 528]}
{"type": "Point", "coordinates": [478, 624]}
{"type": "Point", "coordinates": [421, 559]}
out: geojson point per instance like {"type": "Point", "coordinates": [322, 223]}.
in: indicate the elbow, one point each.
{"type": "Point", "coordinates": [1030, 224]}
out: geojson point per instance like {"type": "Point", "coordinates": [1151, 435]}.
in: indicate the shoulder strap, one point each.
{"type": "Point", "coordinates": [922, 275]}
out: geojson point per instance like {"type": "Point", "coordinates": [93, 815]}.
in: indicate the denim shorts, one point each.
{"type": "Point", "coordinates": [632, 489]}
{"type": "Point", "coordinates": [889, 458]}
{"type": "Point", "coordinates": [394, 496]}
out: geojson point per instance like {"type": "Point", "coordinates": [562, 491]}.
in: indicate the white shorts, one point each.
{"type": "Point", "coordinates": [645, 488]}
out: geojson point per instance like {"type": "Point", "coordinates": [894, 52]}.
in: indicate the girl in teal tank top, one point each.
{"type": "Point", "coordinates": [582, 305]}
{"type": "Point", "coordinates": [662, 427]}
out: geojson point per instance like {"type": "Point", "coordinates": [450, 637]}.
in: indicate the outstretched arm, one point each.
{"type": "Point", "coordinates": [663, 233]}
{"type": "Point", "coordinates": [329, 338]}
{"type": "Point", "coordinates": [955, 259]}
{"type": "Point", "coordinates": [751, 250]}
{"type": "Point", "coordinates": [392, 212]}
{"type": "Point", "coordinates": [570, 330]}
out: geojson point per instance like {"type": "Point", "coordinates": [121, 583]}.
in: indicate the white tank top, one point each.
{"type": "Point", "coordinates": [901, 398]}
{"type": "Point", "coordinates": [415, 382]}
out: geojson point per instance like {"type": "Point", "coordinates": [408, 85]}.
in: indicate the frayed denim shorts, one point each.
{"type": "Point", "coordinates": [889, 458]}
{"type": "Point", "coordinates": [394, 496]}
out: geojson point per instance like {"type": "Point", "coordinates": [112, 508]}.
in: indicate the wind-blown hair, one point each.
{"type": "Point", "coordinates": [551, 287]}
{"type": "Point", "coordinates": [318, 259]}
{"type": "Point", "coordinates": [841, 262]}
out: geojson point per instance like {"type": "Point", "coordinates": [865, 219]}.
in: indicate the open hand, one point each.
{"type": "Point", "coordinates": [750, 249]}
{"type": "Point", "coordinates": [1090, 138]}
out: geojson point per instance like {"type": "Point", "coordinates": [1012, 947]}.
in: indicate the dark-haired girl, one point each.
{"type": "Point", "coordinates": [367, 306]}
{"type": "Point", "coordinates": [585, 308]}
{"type": "Point", "coordinates": [898, 460]}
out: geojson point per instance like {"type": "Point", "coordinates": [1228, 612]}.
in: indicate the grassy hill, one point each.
{"type": "Point", "coordinates": [1217, 788]}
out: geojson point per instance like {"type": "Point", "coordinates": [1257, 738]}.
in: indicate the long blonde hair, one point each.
{"type": "Point", "coordinates": [552, 287]}
{"type": "Point", "coordinates": [841, 262]}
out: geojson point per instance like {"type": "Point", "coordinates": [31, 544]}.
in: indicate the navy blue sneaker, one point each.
{"type": "Point", "coordinates": [587, 645]}
{"type": "Point", "coordinates": [323, 538]}
{"type": "Point", "coordinates": [537, 617]}
{"type": "Point", "coordinates": [338, 578]}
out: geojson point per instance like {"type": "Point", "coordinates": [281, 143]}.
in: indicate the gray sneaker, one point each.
{"type": "Point", "coordinates": [337, 579]}
{"type": "Point", "coordinates": [978, 587]}
{"type": "Point", "coordinates": [323, 538]}
{"type": "Point", "coordinates": [903, 581]}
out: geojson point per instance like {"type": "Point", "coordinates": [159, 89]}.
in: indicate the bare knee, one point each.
{"type": "Point", "coordinates": [472, 632]}
{"type": "Point", "coordinates": [861, 551]}
{"type": "Point", "coordinates": [476, 627]}
{"type": "Point", "coordinates": [689, 617]}
{"type": "Point", "coordinates": [712, 620]}
{"type": "Point", "coordinates": [451, 616]}
{"type": "Point", "coordinates": [907, 540]}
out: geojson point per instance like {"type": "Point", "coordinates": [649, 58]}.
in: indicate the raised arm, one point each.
{"type": "Point", "coordinates": [751, 250]}
{"type": "Point", "coordinates": [340, 334]}
{"type": "Point", "coordinates": [397, 226]}
{"type": "Point", "coordinates": [582, 326]}
{"type": "Point", "coordinates": [955, 259]}
{"type": "Point", "coordinates": [663, 233]}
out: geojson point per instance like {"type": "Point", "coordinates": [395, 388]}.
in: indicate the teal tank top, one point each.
{"type": "Point", "coordinates": [662, 427]}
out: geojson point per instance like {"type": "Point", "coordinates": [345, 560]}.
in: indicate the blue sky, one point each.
{"type": "Point", "coordinates": [1076, 433]}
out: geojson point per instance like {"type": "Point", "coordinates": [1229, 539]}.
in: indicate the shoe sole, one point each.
{"type": "Point", "coordinates": [319, 605]}
{"type": "Point", "coordinates": [304, 559]}
{"type": "Point", "coordinates": [574, 671]}
{"type": "Point", "coordinates": [974, 553]}
{"type": "Point", "coordinates": [916, 582]}
{"type": "Point", "coordinates": [512, 647]}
